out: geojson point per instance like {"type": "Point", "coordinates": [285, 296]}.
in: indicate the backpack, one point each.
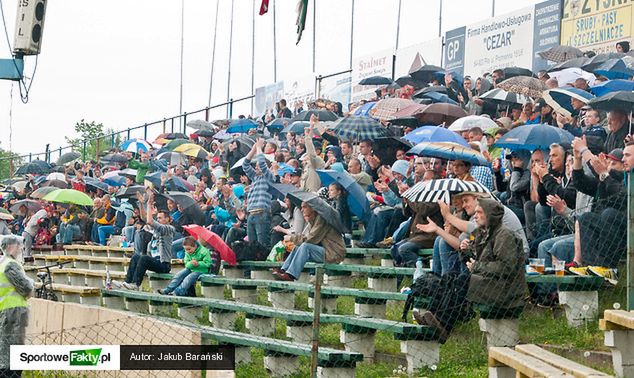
{"type": "Point", "coordinates": [249, 251]}
{"type": "Point", "coordinates": [214, 268]}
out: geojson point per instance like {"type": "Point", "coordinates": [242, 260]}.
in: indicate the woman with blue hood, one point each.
{"type": "Point", "coordinates": [333, 155]}
{"type": "Point", "coordinates": [515, 190]}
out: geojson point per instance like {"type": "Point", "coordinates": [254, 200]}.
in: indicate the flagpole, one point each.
{"type": "Point", "coordinates": [213, 55]}
{"type": "Point", "coordinates": [252, 56]}
{"type": "Point", "coordinates": [229, 68]}
{"type": "Point", "coordinates": [493, 9]}
{"type": "Point", "coordinates": [274, 46]}
{"type": "Point", "coordinates": [398, 24]}
{"type": "Point", "coordinates": [351, 33]}
{"type": "Point", "coordinates": [314, 30]}
{"type": "Point", "coordinates": [180, 105]}
{"type": "Point", "coordinates": [440, 20]}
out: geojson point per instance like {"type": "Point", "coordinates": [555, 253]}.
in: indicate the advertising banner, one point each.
{"type": "Point", "coordinates": [375, 64]}
{"type": "Point", "coordinates": [413, 57]}
{"type": "Point", "coordinates": [596, 25]}
{"type": "Point", "coordinates": [509, 40]}
{"type": "Point", "coordinates": [337, 89]}
{"type": "Point", "coordinates": [267, 96]}
{"type": "Point", "coordinates": [299, 89]}
{"type": "Point", "coordinates": [546, 30]}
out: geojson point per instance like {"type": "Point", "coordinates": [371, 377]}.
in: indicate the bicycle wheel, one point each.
{"type": "Point", "coordinates": [51, 296]}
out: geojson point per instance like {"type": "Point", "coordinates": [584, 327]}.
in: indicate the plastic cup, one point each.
{"type": "Point", "coordinates": [560, 267]}
{"type": "Point", "coordinates": [537, 265]}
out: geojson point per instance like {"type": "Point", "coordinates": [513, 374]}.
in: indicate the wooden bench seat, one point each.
{"type": "Point", "coordinates": [570, 367]}
{"type": "Point", "coordinates": [505, 362]}
{"type": "Point", "coordinates": [618, 329]}
{"type": "Point", "coordinates": [76, 294]}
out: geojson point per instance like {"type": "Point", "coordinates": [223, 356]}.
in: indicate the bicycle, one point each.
{"type": "Point", "coordinates": [45, 290]}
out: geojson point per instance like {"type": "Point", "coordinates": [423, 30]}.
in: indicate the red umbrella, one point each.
{"type": "Point", "coordinates": [214, 240]}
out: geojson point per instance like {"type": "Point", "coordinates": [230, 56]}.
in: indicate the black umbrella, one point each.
{"type": "Point", "coordinates": [41, 192]}
{"type": "Point", "coordinates": [200, 124]}
{"type": "Point", "coordinates": [68, 157]}
{"type": "Point", "coordinates": [433, 88]}
{"type": "Point", "coordinates": [324, 115]}
{"type": "Point", "coordinates": [597, 60]}
{"type": "Point", "coordinates": [115, 158]}
{"type": "Point", "coordinates": [130, 191]}
{"type": "Point", "coordinates": [96, 184]}
{"type": "Point", "coordinates": [32, 168]}
{"type": "Point", "coordinates": [560, 53]}
{"type": "Point", "coordinates": [244, 144]}
{"type": "Point", "coordinates": [58, 184]}
{"type": "Point", "coordinates": [426, 73]}
{"type": "Point", "coordinates": [181, 198]}
{"type": "Point", "coordinates": [408, 80]}
{"type": "Point", "coordinates": [376, 80]}
{"type": "Point", "coordinates": [405, 121]}
{"type": "Point", "coordinates": [572, 63]}
{"type": "Point", "coordinates": [320, 206]}
{"type": "Point", "coordinates": [516, 71]}
{"type": "Point", "coordinates": [205, 133]}
{"type": "Point", "coordinates": [280, 191]}
{"type": "Point", "coordinates": [387, 148]}
{"type": "Point", "coordinates": [620, 100]}
{"type": "Point", "coordinates": [31, 206]}
{"type": "Point", "coordinates": [175, 136]}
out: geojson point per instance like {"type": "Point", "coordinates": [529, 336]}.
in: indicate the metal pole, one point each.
{"type": "Point", "coordinates": [145, 131]}
{"type": "Point", "coordinates": [319, 274]}
{"type": "Point", "coordinates": [172, 124]}
{"type": "Point", "coordinates": [180, 105]}
{"type": "Point", "coordinates": [630, 235]}
{"type": "Point", "coordinates": [493, 9]}
{"type": "Point", "coordinates": [30, 157]}
{"type": "Point", "coordinates": [440, 20]}
{"type": "Point", "coordinates": [84, 153]}
{"type": "Point", "coordinates": [351, 34]}
{"type": "Point", "coordinates": [274, 46]}
{"type": "Point", "coordinates": [252, 54]}
{"type": "Point", "coordinates": [314, 30]}
{"type": "Point", "coordinates": [398, 25]}
{"type": "Point", "coordinates": [185, 123]}
{"type": "Point", "coordinates": [230, 48]}
{"type": "Point", "coordinates": [230, 108]}
{"type": "Point", "coordinates": [213, 56]}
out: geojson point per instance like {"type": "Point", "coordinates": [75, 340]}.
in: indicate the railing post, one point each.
{"type": "Point", "coordinates": [60, 152]}
{"type": "Point", "coordinates": [230, 108]}
{"type": "Point", "coordinates": [30, 157]}
{"type": "Point", "coordinates": [185, 123]}
{"type": "Point", "coordinates": [112, 140]}
{"type": "Point", "coordinates": [145, 131]}
{"type": "Point", "coordinates": [164, 125]}
{"type": "Point", "coordinates": [207, 114]}
{"type": "Point", "coordinates": [128, 134]}
{"type": "Point", "coordinates": [84, 153]}
{"type": "Point", "coordinates": [172, 124]}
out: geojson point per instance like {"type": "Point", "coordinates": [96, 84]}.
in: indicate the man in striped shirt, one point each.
{"type": "Point", "coordinates": [259, 196]}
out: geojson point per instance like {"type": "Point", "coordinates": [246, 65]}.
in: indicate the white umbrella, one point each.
{"type": "Point", "coordinates": [469, 122]}
{"type": "Point", "coordinates": [56, 176]}
{"type": "Point", "coordinates": [568, 76]}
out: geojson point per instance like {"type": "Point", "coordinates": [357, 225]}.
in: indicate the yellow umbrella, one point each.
{"type": "Point", "coordinates": [193, 150]}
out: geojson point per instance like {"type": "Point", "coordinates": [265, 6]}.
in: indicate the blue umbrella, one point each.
{"type": "Point", "coordinates": [534, 137]}
{"type": "Point", "coordinates": [435, 134]}
{"type": "Point", "coordinates": [278, 123]}
{"type": "Point", "coordinates": [296, 127]}
{"type": "Point", "coordinates": [614, 69]}
{"type": "Point", "coordinates": [357, 201]}
{"type": "Point", "coordinates": [115, 181]}
{"type": "Point", "coordinates": [612, 86]}
{"type": "Point", "coordinates": [174, 184]}
{"type": "Point", "coordinates": [438, 97]}
{"type": "Point", "coordinates": [135, 145]}
{"type": "Point", "coordinates": [242, 125]}
{"type": "Point", "coordinates": [559, 98]}
{"type": "Point", "coordinates": [448, 151]}
{"type": "Point", "coordinates": [364, 110]}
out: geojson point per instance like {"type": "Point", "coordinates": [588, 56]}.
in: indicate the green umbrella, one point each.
{"type": "Point", "coordinates": [175, 143]}
{"type": "Point", "coordinates": [5, 215]}
{"type": "Point", "coordinates": [71, 196]}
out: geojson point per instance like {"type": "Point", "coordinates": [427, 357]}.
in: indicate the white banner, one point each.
{"type": "Point", "coordinates": [65, 357]}
{"type": "Point", "coordinates": [375, 64]}
{"type": "Point", "coordinates": [413, 57]}
{"type": "Point", "coordinates": [505, 41]}
{"type": "Point", "coordinates": [299, 89]}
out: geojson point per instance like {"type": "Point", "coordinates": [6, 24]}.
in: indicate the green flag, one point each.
{"type": "Point", "coordinates": [302, 8]}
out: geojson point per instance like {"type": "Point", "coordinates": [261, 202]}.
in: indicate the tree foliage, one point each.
{"type": "Point", "coordinates": [9, 162]}
{"type": "Point", "coordinates": [97, 139]}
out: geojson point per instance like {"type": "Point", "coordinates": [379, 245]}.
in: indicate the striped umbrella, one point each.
{"type": "Point", "coordinates": [441, 190]}
{"type": "Point", "coordinates": [559, 99]}
{"type": "Point", "coordinates": [448, 151]}
{"type": "Point", "coordinates": [385, 109]}
{"type": "Point", "coordinates": [360, 128]}
{"type": "Point", "coordinates": [524, 85]}
{"type": "Point", "coordinates": [135, 145]}
{"type": "Point", "coordinates": [501, 97]}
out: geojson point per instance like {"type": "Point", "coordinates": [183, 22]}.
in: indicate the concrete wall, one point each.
{"type": "Point", "coordinates": [72, 323]}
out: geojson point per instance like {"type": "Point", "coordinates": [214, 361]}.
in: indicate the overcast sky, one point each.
{"type": "Point", "coordinates": [118, 62]}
